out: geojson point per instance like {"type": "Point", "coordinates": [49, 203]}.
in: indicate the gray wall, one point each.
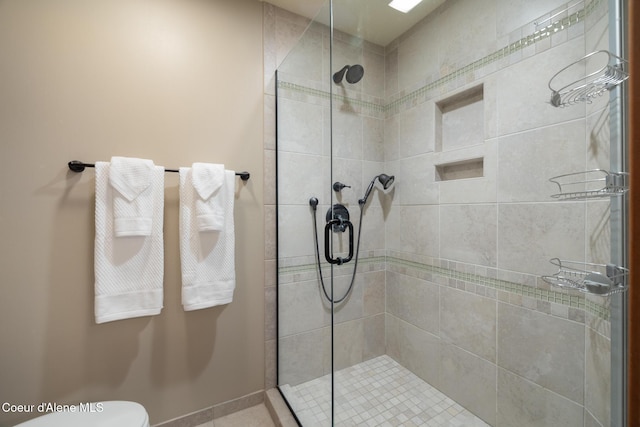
{"type": "Point", "coordinates": [173, 81]}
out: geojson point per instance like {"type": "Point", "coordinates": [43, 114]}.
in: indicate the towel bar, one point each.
{"type": "Point", "coordinates": [78, 166]}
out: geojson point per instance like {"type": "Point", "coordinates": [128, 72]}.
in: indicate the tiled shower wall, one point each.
{"type": "Point", "coordinates": [448, 281]}
{"type": "Point", "coordinates": [465, 255]}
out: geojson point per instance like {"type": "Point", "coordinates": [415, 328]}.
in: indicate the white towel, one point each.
{"type": "Point", "coordinates": [207, 257]}
{"type": "Point", "coordinates": [132, 200]}
{"type": "Point", "coordinates": [207, 179]}
{"type": "Point", "coordinates": [128, 270]}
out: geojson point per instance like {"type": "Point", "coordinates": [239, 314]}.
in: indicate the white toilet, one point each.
{"type": "Point", "coordinates": [104, 414]}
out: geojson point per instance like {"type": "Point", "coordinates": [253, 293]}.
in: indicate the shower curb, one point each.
{"type": "Point", "coordinates": [280, 413]}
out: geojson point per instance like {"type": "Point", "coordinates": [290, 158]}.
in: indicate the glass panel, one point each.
{"type": "Point", "coordinates": [453, 315]}
{"type": "Point", "coordinates": [303, 167]}
{"type": "Point", "coordinates": [358, 132]}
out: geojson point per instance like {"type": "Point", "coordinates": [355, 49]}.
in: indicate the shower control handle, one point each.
{"type": "Point", "coordinates": [327, 246]}
{"type": "Point", "coordinates": [338, 186]}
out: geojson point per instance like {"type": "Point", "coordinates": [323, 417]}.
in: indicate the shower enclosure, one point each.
{"type": "Point", "coordinates": [487, 143]}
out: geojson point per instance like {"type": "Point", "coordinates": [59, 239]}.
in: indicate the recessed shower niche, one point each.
{"type": "Point", "coordinates": [460, 124]}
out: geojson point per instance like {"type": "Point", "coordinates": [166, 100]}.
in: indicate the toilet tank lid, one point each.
{"type": "Point", "coordinates": [97, 414]}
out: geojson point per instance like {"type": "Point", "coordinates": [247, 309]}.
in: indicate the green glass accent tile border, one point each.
{"type": "Point", "coordinates": [563, 298]}
{"type": "Point", "coordinates": [296, 268]}
{"type": "Point", "coordinates": [569, 299]}
{"type": "Point", "coordinates": [303, 89]}
{"type": "Point", "coordinates": [531, 39]}
{"type": "Point", "coordinates": [597, 310]}
{"type": "Point", "coordinates": [306, 267]}
{"type": "Point", "coordinates": [372, 106]}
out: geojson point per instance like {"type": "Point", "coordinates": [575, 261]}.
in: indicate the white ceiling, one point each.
{"type": "Point", "coordinates": [372, 20]}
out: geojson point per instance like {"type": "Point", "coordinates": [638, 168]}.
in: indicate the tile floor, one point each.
{"type": "Point", "coordinates": [256, 416]}
{"type": "Point", "coordinates": [378, 392]}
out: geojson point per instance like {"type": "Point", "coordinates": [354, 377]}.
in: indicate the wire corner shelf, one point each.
{"type": "Point", "coordinates": [589, 85]}
{"type": "Point", "coordinates": [597, 279]}
{"type": "Point", "coordinates": [590, 184]}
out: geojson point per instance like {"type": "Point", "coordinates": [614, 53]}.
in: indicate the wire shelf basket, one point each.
{"type": "Point", "coordinates": [593, 84]}
{"type": "Point", "coordinates": [598, 279]}
{"type": "Point", "coordinates": [594, 183]}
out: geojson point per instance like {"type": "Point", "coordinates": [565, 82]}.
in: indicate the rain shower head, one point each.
{"type": "Point", "coordinates": [352, 73]}
{"type": "Point", "coordinates": [385, 180]}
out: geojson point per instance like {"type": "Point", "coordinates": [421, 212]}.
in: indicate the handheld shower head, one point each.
{"type": "Point", "coordinates": [385, 180]}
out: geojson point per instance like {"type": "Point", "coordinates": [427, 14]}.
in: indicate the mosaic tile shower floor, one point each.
{"type": "Point", "coordinates": [378, 392]}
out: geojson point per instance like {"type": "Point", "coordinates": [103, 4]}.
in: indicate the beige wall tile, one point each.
{"type": "Point", "coordinates": [411, 346]}
{"type": "Point", "coordinates": [469, 322]}
{"type": "Point", "coordinates": [348, 344]}
{"type": "Point", "coordinates": [415, 301]}
{"type": "Point", "coordinates": [523, 403]}
{"type": "Point", "coordinates": [374, 336]}
{"type": "Point", "coordinates": [535, 346]}
{"type": "Point", "coordinates": [598, 376]}
{"type": "Point", "coordinates": [301, 308]}
{"type": "Point", "coordinates": [301, 357]}
{"type": "Point", "coordinates": [478, 394]}
{"type": "Point", "coordinates": [469, 233]}
{"type": "Point", "coordinates": [531, 234]}
{"type": "Point", "coordinates": [529, 159]}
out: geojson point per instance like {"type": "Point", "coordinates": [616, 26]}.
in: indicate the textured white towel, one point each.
{"type": "Point", "coordinates": [128, 270]}
{"type": "Point", "coordinates": [133, 198]}
{"type": "Point", "coordinates": [207, 257]}
{"type": "Point", "coordinates": [207, 179]}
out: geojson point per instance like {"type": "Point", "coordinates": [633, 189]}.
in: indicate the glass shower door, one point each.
{"type": "Point", "coordinates": [303, 197]}
{"type": "Point", "coordinates": [461, 109]}
{"type": "Point", "coordinates": [358, 153]}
